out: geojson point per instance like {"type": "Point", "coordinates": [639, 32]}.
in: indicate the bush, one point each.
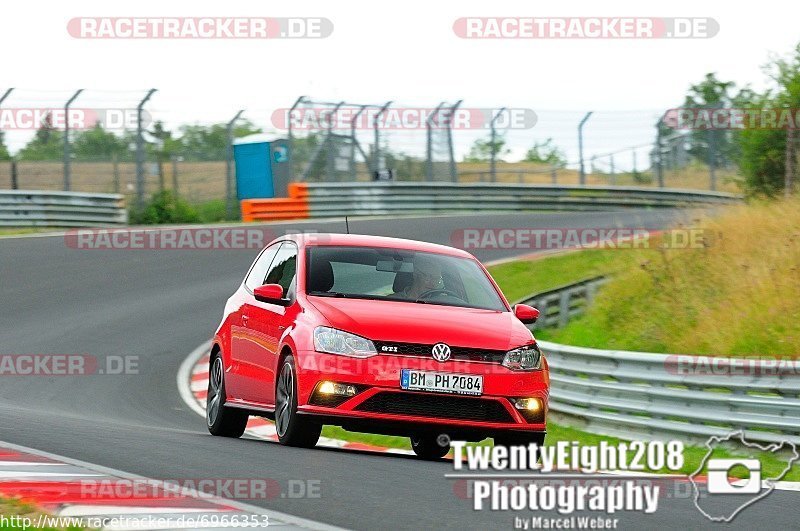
{"type": "Point", "coordinates": [213, 211]}
{"type": "Point", "coordinates": [164, 207]}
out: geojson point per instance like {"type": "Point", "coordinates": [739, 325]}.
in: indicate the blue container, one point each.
{"type": "Point", "coordinates": [262, 169]}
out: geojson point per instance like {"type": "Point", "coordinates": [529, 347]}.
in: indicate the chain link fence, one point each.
{"type": "Point", "coordinates": [118, 142]}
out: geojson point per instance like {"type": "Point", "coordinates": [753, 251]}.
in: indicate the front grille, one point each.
{"type": "Point", "coordinates": [456, 353]}
{"type": "Point", "coordinates": [445, 407]}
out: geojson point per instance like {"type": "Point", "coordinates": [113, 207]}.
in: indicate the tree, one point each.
{"type": "Point", "coordinates": [711, 93]}
{"type": "Point", "coordinates": [99, 144]}
{"type": "Point", "coordinates": [763, 150]}
{"type": "Point", "coordinates": [481, 150]}
{"type": "Point", "coordinates": [199, 142]}
{"type": "Point", "coordinates": [546, 153]}
{"type": "Point", "coordinates": [4, 154]}
{"type": "Point", "coordinates": [46, 144]}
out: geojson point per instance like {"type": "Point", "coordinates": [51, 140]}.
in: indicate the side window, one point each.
{"type": "Point", "coordinates": [260, 268]}
{"type": "Point", "coordinates": [284, 267]}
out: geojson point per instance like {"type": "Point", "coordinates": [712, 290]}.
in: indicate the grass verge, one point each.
{"type": "Point", "coordinates": [16, 514]}
{"type": "Point", "coordinates": [737, 294]}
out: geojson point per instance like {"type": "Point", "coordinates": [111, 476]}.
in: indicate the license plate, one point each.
{"type": "Point", "coordinates": [441, 382]}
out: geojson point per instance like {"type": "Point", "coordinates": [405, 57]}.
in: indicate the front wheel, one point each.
{"type": "Point", "coordinates": [293, 429]}
{"type": "Point", "coordinates": [222, 421]}
{"type": "Point", "coordinates": [430, 446]}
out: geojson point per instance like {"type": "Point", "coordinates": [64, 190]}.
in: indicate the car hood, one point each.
{"type": "Point", "coordinates": [407, 322]}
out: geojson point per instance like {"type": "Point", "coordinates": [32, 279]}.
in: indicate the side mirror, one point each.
{"type": "Point", "coordinates": [270, 293]}
{"type": "Point", "coordinates": [526, 314]}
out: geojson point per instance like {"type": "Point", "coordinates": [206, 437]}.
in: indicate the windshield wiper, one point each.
{"type": "Point", "coordinates": [328, 294]}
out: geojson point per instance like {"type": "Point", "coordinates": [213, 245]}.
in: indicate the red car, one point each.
{"type": "Point", "coordinates": [376, 335]}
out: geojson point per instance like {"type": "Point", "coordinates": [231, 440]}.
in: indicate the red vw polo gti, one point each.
{"type": "Point", "coordinates": [376, 335]}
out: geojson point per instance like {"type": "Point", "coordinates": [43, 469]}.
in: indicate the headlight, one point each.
{"type": "Point", "coordinates": [525, 358]}
{"type": "Point", "coordinates": [335, 341]}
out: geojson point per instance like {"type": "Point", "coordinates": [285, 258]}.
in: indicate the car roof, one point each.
{"type": "Point", "coordinates": [330, 239]}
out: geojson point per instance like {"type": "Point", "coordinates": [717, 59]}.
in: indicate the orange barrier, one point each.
{"type": "Point", "coordinates": [293, 207]}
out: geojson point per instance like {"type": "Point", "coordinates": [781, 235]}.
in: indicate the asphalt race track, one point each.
{"type": "Point", "coordinates": [159, 305]}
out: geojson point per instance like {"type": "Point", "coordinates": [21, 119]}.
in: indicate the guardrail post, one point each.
{"type": "Point", "coordinates": [290, 134]}
{"type": "Point", "coordinates": [591, 291]}
{"type": "Point", "coordinates": [580, 147]}
{"type": "Point", "coordinates": [332, 152]}
{"type": "Point", "coordinates": [542, 307]}
{"type": "Point", "coordinates": [115, 165]}
{"type": "Point", "coordinates": [429, 141]}
{"type": "Point", "coordinates": [229, 188]}
{"type": "Point", "coordinates": [493, 146]}
{"type": "Point", "coordinates": [377, 165]}
{"type": "Point", "coordinates": [14, 183]}
{"type": "Point", "coordinates": [613, 171]}
{"type": "Point", "coordinates": [659, 163]}
{"type": "Point", "coordinates": [67, 150]}
{"type": "Point", "coordinates": [563, 308]}
{"type": "Point", "coordinates": [140, 151]}
{"type": "Point", "coordinates": [451, 150]}
{"type": "Point", "coordinates": [175, 190]}
{"type": "Point", "coordinates": [353, 141]}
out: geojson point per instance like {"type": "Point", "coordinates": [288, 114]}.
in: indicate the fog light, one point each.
{"type": "Point", "coordinates": [528, 404]}
{"type": "Point", "coordinates": [333, 388]}
{"type": "Point", "coordinates": [531, 409]}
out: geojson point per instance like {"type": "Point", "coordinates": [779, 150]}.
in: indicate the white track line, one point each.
{"type": "Point", "coordinates": [244, 507]}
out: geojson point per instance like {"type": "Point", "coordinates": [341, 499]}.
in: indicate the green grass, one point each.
{"type": "Point", "coordinates": [14, 231]}
{"type": "Point", "coordinates": [13, 507]}
{"type": "Point", "coordinates": [736, 295]}
{"type": "Point", "coordinates": [518, 279]}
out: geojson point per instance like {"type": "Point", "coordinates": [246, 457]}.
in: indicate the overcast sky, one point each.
{"type": "Point", "coordinates": [402, 51]}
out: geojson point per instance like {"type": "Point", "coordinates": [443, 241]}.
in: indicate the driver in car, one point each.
{"type": "Point", "coordinates": [427, 276]}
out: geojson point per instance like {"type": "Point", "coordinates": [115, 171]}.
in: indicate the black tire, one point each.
{"type": "Point", "coordinates": [293, 429]}
{"type": "Point", "coordinates": [428, 447]}
{"type": "Point", "coordinates": [221, 421]}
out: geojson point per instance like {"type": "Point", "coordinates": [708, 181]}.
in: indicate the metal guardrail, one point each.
{"type": "Point", "coordinates": [557, 306]}
{"type": "Point", "coordinates": [36, 208]}
{"type": "Point", "coordinates": [660, 396]}
{"type": "Point", "coordinates": [377, 198]}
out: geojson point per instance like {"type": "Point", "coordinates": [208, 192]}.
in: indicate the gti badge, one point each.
{"type": "Point", "coordinates": [441, 352]}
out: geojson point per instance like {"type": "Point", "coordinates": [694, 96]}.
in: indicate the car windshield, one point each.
{"type": "Point", "coordinates": [400, 275]}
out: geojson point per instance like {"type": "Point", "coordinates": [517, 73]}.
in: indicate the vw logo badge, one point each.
{"type": "Point", "coordinates": [441, 352]}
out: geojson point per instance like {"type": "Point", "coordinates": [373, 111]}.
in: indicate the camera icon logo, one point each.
{"type": "Point", "coordinates": [718, 482]}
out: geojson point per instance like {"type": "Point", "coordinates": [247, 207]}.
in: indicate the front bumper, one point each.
{"type": "Point", "coordinates": [381, 403]}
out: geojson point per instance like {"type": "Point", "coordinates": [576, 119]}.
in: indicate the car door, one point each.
{"type": "Point", "coordinates": [266, 323]}
{"type": "Point", "coordinates": [241, 375]}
